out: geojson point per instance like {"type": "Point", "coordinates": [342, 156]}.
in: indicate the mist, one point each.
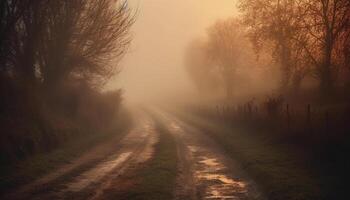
{"type": "Point", "coordinates": [182, 100]}
{"type": "Point", "coordinates": [154, 67]}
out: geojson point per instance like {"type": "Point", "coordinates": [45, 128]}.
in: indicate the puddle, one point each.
{"type": "Point", "coordinates": [149, 149]}
{"type": "Point", "coordinates": [209, 173]}
{"type": "Point", "coordinates": [176, 129]}
{"type": "Point", "coordinates": [210, 162]}
{"type": "Point", "coordinates": [175, 126]}
{"type": "Point", "coordinates": [211, 177]}
{"type": "Point", "coordinates": [193, 149]}
{"type": "Point", "coordinates": [97, 173]}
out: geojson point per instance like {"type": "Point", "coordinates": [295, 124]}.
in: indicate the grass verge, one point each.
{"type": "Point", "coordinates": [155, 180]}
{"type": "Point", "coordinates": [277, 169]}
{"type": "Point", "coordinates": [38, 165]}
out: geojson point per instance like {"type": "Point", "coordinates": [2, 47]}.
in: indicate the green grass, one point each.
{"type": "Point", "coordinates": [156, 180]}
{"type": "Point", "coordinates": [38, 165]}
{"type": "Point", "coordinates": [279, 171]}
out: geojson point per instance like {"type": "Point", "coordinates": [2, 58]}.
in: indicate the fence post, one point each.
{"type": "Point", "coordinates": [288, 119]}
{"type": "Point", "coordinates": [250, 111]}
{"type": "Point", "coordinates": [309, 127]}
{"type": "Point", "coordinates": [327, 122]}
{"type": "Point", "coordinates": [308, 113]}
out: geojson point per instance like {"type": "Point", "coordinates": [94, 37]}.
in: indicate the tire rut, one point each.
{"type": "Point", "coordinates": [210, 174]}
{"type": "Point", "coordinates": [89, 183]}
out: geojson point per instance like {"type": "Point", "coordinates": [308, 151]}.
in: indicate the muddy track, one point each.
{"type": "Point", "coordinates": [89, 176]}
{"type": "Point", "coordinates": [205, 170]}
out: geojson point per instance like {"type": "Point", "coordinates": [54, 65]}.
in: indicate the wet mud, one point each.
{"type": "Point", "coordinates": [91, 182]}
{"type": "Point", "coordinates": [213, 175]}
{"type": "Point", "coordinates": [204, 170]}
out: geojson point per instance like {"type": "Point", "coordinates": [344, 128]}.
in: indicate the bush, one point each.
{"type": "Point", "coordinates": [33, 122]}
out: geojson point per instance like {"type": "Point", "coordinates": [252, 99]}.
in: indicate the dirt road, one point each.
{"type": "Point", "coordinates": [87, 177]}
{"type": "Point", "coordinates": [204, 170]}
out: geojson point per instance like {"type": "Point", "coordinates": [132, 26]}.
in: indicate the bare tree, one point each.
{"type": "Point", "coordinates": [84, 40]}
{"type": "Point", "coordinates": [226, 48]}
{"type": "Point", "coordinates": [304, 33]}
{"type": "Point", "coordinates": [324, 22]}
{"type": "Point", "coordinates": [11, 13]}
{"type": "Point", "coordinates": [50, 41]}
{"type": "Point", "coordinates": [272, 23]}
{"type": "Point", "coordinates": [48, 45]}
{"type": "Point", "coordinates": [200, 67]}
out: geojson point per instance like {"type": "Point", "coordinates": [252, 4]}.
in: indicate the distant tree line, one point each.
{"type": "Point", "coordinates": [56, 55]}
{"type": "Point", "coordinates": [305, 38]}
{"type": "Point", "coordinates": [223, 62]}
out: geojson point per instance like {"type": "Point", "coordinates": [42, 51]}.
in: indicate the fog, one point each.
{"type": "Point", "coordinates": [154, 67]}
{"type": "Point", "coordinates": [135, 90]}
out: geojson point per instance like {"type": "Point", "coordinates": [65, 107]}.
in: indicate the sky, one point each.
{"type": "Point", "coordinates": [154, 65]}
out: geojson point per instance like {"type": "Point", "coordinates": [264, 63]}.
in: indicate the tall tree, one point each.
{"type": "Point", "coordinates": [52, 41]}
{"type": "Point", "coordinates": [200, 67]}
{"type": "Point", "coordinates": [323, 24]}
{"type": "Point", "coordinates": [272, 23]}
{"type": "Point", "coordinates": [11, 14]}
{"type": "Point", "coordinates": [226, 48]}
{"type": "Point", "coordinates": [83, 40]}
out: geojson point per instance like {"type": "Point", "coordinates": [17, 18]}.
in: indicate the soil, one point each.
{"type": "Point", "coordinates": [90, 175]}
{"type": "Point", "coordinates": [204, 170]}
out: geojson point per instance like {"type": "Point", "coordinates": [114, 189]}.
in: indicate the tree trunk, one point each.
{"type": "Point", "coordinates": [297, 80]}
{"type": "Point", "coordinates": [26, 66]}
{"type": "Point", "coordinates": [285, 63]}
{"type": "Point", "coordinates": [228, 76]}
{"type": "Point", "coordinates": [326, 79]}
